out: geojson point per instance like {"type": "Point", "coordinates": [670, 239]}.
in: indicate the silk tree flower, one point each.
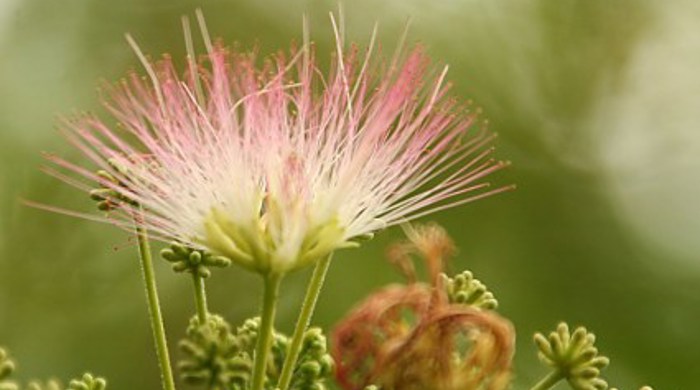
{"type": "Point", "coordinates": [273, 163]}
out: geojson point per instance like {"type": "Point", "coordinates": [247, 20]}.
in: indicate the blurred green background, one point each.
{"type": "Point", "coordinates": [597, 103]}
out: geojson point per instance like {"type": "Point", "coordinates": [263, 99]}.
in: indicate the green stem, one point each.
{"type": "Point", "coordinates": [549, 381]}
{"type": "Point", "coordinates": [200, 298]}
{"type": "Point", "coordinates": [307, 310]}
{"type": "Point", "coordinates": [166, 371]}
{"type": "Point", "coordinates": [262, 349]}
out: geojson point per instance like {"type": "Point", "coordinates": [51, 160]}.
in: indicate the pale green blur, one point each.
{"type": "Point", "coordinates": [597, 103]}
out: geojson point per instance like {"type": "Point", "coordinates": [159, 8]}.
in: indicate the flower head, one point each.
{"type": "Point", "coordinates": [273, 163]}
{"type": "Point", "coordinates": [443, 335]}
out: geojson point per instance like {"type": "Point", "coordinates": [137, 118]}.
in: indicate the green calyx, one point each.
{"type": "Point", "coordinates": [233, 241]}
{"type": "Point", "coordinates": [465, 289]}
{"type": "Point", "coordinates": [573, 356]}
{"type": "Point", "coordinates": [194, 261]}
{"type": "Point", "coordinates": [252, 246]}
{"type": "Point", "coordinates": [321, 241]}
{"type": "Point", "coordinates": [219, 358]}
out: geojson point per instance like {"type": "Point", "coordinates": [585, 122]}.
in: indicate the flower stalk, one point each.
{"type": "Point", "coordinates": [262, 349]}
{"type": "Point", "coordinates": [200, 298]}
{"type": "Point", "coordinates": [156, 317]}
{"type": "Point", "coordinates": [307, 310]}
{"type": "Point", "coordinates": [549, 381]}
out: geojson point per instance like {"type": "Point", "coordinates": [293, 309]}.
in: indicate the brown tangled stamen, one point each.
{"type": "Point", "coordinates": [413, 337]}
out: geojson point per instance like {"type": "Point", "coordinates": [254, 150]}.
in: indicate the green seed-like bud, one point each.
{"type": "Point", "coordinates": [218, 261]}
{"type": "Point", "coordinates": [100, 194]}
{"type": "Point", "coordinates": [310, 368]}
{"type": "Point", "coordinates": [600, 362]}
{"type": "Point", "coordinates": [195, 258]}
{"type": "Point", "coordinates": [169, 255]}
{"type": "Point", "coordinates": [7, 366]}
{"type": "Point", "coordinates": [6, 369]}
{"type": "Point", "coordinates": [180, 267]}
{"type": "Point", "coordinates": [203, 272]}
{"type": "Point", "coordinates": [586, 372]}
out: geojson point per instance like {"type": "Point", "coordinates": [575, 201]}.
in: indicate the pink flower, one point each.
{"type": "Point", "coordinates": [274, 164]}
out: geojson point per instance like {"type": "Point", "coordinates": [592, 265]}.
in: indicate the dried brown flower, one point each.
{"type": "Point", "coordinates": [412, 337]}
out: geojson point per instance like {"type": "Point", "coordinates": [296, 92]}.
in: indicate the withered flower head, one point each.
{"type": "Point", "coordinates": [403, 338]}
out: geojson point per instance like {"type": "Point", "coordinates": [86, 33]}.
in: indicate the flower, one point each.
{"type": "Point", "coordinates": [442, 335]}
{"type": "Point", "coordinates": [275, 165]}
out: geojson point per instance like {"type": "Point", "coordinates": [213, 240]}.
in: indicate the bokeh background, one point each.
{"type": "Point", "coordinates": [597, 103]}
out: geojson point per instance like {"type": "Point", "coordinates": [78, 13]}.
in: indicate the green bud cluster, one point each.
{"type": "Point", "coordinates": [465, 289]}
{"type": "Point", "coordinates": [51, 384]}
{"type": "Point", "coordinates": [7, 367]}
{"type": "Point", "coordinates": [247, 335]}
{"type": "Point", "coordinates": [315, 364]}
{"type": "Point", "coordinates": [223, 360]}
{"type": "Point", "coordinates": [86, 382]}
{"type": "Point", "coordinates": [8, 386]}
{"type": "Point", "coordinates": [573, 356]}
{"type": "Point", "coordinates": [194, 261]}
{"type": "Point", "coordinates": [106, 197]}
{"type": "Point", "coordinates": [219, 358]}
{"type": "Point", "coordinates": [213, 355]}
